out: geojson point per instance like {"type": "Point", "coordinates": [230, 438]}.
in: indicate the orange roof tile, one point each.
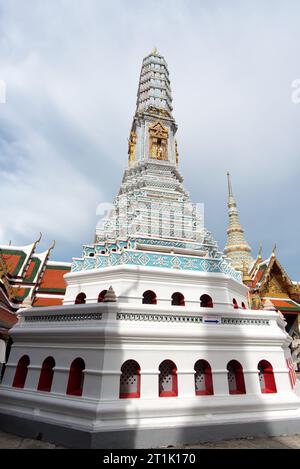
{"type": "Point", "coordinates": [53, 278]}
{"type": "Point", "coordinates": [286, 305]}
{"type": "Point", "coordinates": [47, 301]}
{"type": "Point", "coordinates": [14, 262]}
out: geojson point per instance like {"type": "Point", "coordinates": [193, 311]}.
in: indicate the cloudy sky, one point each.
{"type": "Point", "coordinates": [71, 69]}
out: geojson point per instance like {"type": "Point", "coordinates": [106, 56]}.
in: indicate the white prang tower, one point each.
{"type": "Point", "coordinates": [155, 343]}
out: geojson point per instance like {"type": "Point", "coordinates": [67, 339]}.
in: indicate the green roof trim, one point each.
{"type": "Point", "coordinates": [58, 267]}
{"type": "Point", "coordinates": [37, 262]}
{"type": "Point", "coordinates": [15, 252]}
{"type": "Point", "coordinates": [51, 290]}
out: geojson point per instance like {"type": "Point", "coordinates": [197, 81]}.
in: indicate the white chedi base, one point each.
{"type": "Point", "coordinates": [130, 282]}
{"type": "Point", "coordinates": [106, 335]}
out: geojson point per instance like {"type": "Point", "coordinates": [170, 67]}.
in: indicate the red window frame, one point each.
{"type": "Point", "coordinates": [174, 391]}
{"type": "Point", "coordinates": [208, 381]}
{"type": "Point", "coordinates": [137, 393]}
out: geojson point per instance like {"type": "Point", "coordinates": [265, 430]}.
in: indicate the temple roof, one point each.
{"type": "Point", "coordinates": [271, 280]}
{"type": "Point", "coordinates": [16, 257]}
{"type": "Point", "coordinates": [25, 275]}
{"type": "Point", "coordinates": [286, 305]}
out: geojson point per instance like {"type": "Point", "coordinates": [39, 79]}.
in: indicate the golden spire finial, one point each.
{"type": "Point", "coordinates": [236, 248]}
{"type": "Point", "coordinates": [274, 250]}
{"type": "Point", "coordinates": [154, 51]}
{"type": "Point", "coordinates": [259, 255]}
{"type": "Point", "coordinates": [230, 193]}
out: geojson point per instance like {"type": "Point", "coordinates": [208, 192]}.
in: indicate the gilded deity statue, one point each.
{"type": "Point", "coordinates": [131, 146]}
{"type": "Point", "coordinates": [159, 153]}
{"type": "Point", "coordinates": [158, 137]}
{"type": "Point", "coordinates": [176, 152]}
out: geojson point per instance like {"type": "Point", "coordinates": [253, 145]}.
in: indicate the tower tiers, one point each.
{"type": "Point", "coordinates": [153, 211]}
{"type": "Point", "coordinates": [152, 136]}
{"type": "Point", "coordinates": [154, 92]}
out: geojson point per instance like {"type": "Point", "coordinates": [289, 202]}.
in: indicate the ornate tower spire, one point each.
{"type": "Point", "coordinates": [237, 248]}
{"type": "Point", "coordinates": [154, 92]}
{"type": "Point", "coordinates": [152, 135]}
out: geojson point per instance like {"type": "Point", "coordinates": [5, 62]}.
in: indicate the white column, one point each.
{"type": "Point", "coordinates": [220, 382]}
{"type": "Point", "coordinates": [60, 380]}
{"type": "Point", "coordinates": [32, 378]}
{"type": "Point", "coordinates": [186, 383]}
{"type": "Point", "coordinates": [149, 384]}
{"type": "Point", "coordinates": [252, 382]}
{"type": "Point", "coordinates": [110, 385]}
{"type": "Point", "coordinates": [92, 383]}
{"type": "Point", "coordinates": [9, 374]}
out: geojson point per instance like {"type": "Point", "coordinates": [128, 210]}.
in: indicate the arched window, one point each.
{"type": "Point", "coordinates": [21, 372]}
{"type": "Point", "coordinates": [101, 296]}
{"type": "Point", "coordinates": [46, 376]}
{"type": "Point", "coordinates": [149, 298]}
{"type": "Point", "coordinates": [80, 299]}
{"type": "Point", "coordinates": [235, 305]}
{"type": "Point", "coordinates": [203, 378]}
{"type": "Point", "coordinates": [243, 305]}
{"type": "Point", "coordinates": [178, 299]}
{"type": "Point", "coordinates": [76, 377]}
{"type": "Point", "coordinates": [266, 377]}
{"type": "Point", "coordinates": [130, 379]}
{"type": "Point", "coordinates": [168, 379]}
{"type": "Point", "coordinates": [206, 301]}
{"type": "Point", "coordinates": [235, 378]}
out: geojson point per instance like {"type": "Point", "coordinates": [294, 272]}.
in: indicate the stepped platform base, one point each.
{"type": "Point", "coordinates": [145, 437]}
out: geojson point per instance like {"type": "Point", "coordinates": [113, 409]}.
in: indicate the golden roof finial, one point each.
{"type": "Point", "coordinates": [36, 242]}
{"type": "Point", "coordinates": [51, 247]}
{"type": "Point", "coordinates": [39, 239]}
{"type": "Point", "coordinates": [274, 250]}
{"type": "Point", "coordinates": [154, 51]}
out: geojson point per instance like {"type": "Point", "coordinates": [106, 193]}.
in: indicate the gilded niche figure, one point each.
{"type": "Point", "coordinates": [158, 137]}
{"type": "Point", "coordinates": [131, 146]}
{"type": "Point", "coordinates": [176, 152]}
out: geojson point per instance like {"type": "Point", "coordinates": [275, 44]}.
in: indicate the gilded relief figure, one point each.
{"type": "Point", "coordinates": [158, 138]}
{"type": "Point", "coordinates": [176, 152]}
{"type": "Point", "coordinates": [131, 146]}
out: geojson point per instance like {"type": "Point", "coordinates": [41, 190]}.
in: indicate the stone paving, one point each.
{"type": "Point", "coordinates": [8, 441]}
